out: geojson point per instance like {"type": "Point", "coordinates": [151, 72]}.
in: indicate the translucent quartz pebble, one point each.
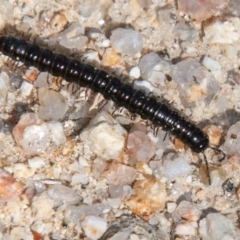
{"type": "Point", "coordinates": [188, 211]}
{"type": "Point", "coordinates": [52, 105]}
{"type": "Point", "coordinates": [118, 173]}
{"type": "Point", "coordinates": [87, 8]}
{"type": "Point", "coordinates": [184, 31]}
{"type": "Point", "coordinates": [231, 145]}
{"type": "Point", "coordinates": [213, 66]}
{"type": "Point", "coordinates": [72, 37]}
{"type": "Point", "coordinates": [217, 227]}
{"type": "Point", "coordinates": [105, 137]}
{"type": "Point", "coordinates": [175, 167]}
{"type": "Point", "coordinates": [201, 10]}
{"type": "Point", "coordinates": [9, 188]}
{"type": "Point", "coordinates": [4, 86]}
{"type": "Point", "coordinates": [61, 194]}
{"type": "Point", "coordinates": [184, 227]}
{"type": "Point", "coordinates": [153, 67]}
{"type": "Point", "coordinates": [140, 147]}
{"type": "Point", "coordinates": [126, 41]}
{"type": "Point", "coordinates": [223, 32]}
{"type": "Point", "coordinates": [94, 227]}
{"type": "Point", "coordinates": [32, 134]}
{"type": "Point", "coordinates": [73, 213]}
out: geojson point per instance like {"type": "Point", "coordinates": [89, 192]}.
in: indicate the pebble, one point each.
{"type": "Point", "coordinates": [184, 227]}
{"type": "Point", "coordinates": [10, 189]}
{"type": "Point", "coordinates": [152, 67]}
{"type": "Point", "coordinates": [223, 32]}
{"type": "Point", "coordinates": [213, 66]}
{"type": "Point", "coordinates": [122, 235]}
{"type": "Point", "coordinates": [36, 162]}
{"type": "Point", "coordinates": [140, 147]}
{"type": "Point", "coordinates": [4, 86]}
{"type": "Point", "coordinates": [32, 134]}
{"type": "Point", "coordinates": [58, 21]}
{"type": "Point", "coordinates": [43, 80]}
{"type": "Point", "coordinates": [52, 105]}
{"type": "Point", "coordinates": [174, 167]}
{"type": "Point", "coordinates": [56, 132]}
{"type": "Point", "coordinates": [61, 194]}
{"type": "Point", "coordinates": [26, 88]}
{"type": "Point", "coordinates": [135, 72]}
{"type": "Point", "coordinates": [201, 10]}
{"type": "Point", "coordinates": [118, 173]}
{"type": "Point", "coordinates": [184, 31]}
{"type": "Point", "coordinates": [120, 190]}
{"type": "Point", "coordinates": [104, 127]}
{"type": "Point", "coordinates": [149, 195]}
{"type": "Point", "coordinates": [188, 211]}
{"type": "Point", "coordinates": [214, 133]}
{"type": "Point", "coordinates": [231, 145]}
{"type": "Point", "coordinates": [171, 206]}
{"type": "Point", "coordinates": [217, 227]}
{"type": "Point", "coordinates": [94, 227]}
{"type": "Point", "coordinates": [74, 213]}
{"type": "Point", "coordinates": [110, 58]}
{"type": "Point", "coordinates": [126, 41]}
{"type": "Point", "coordinates": [87, 8]}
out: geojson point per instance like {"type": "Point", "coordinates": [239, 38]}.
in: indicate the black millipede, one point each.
{"type": "Point", "coordinates": [123, 94]}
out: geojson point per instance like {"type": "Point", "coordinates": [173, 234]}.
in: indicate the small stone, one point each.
{"type": "Point", "coordinates": [186, 228]}
{"type": "Point", "coordinates": [43, 80]}
{"type": "Point", "coordinates": [140, 147]}
{"type": "Point", "coordinates": [201, 10]}
{"type": "Point", "coordinates": [94, 227]}
{"type": "Point", "coordinates": [9, 188]}
{"type": "Point", "coordinates": [214, 133]}
{"type": "Point", "coordinates": [32, 134]}
{"type": "Point", "coordinates": [184, 31]}
{"type": "Point", "coordinates": [119, 174]}
{"type": "Point", "coordinates": [105, 136]}
{"type": "Point", "coordinates": [174, 167]}
{"type": "Point", "coordinates": [4, 86]}
{"type": "Point", "coordinates": [121, 235]}
{"type": "Point", "coordinates": [226, 32]}
{"type": "Point", "coordinates": [188, 211]}
{"type": "Point", "coordinates": [31, 74]}
{"type": "Point", "coordinates": [153, 67]}
{"type": "Point", "coordinates": [135, 72]}
{"type": "Point", "coordinates": [36, 162]}
{"type": "Point", "coordinates": [120, 190]}
{"type": "Point", "coordinates": [149, 196]}
{"type": "Point", "coordinates": [126, 41]}
{"type": "Point", "coordinates": [74, 214]}
{"type": "Point", "coordinates": [61, 194]}
{"type": "Point", "coordinates": [42, 207]}
{"type": "Point", "coordinates": [213, 66]}
{"type": "Point", "coordinates": [52, 105]}
{"type": "Point", "coordinates": [87, 8]}
{"type": "Point", "coordinates": [110, 57]}
{"type": "Point", "coordinates": [58, 21]}
{"type": "Point", "coordinates": [56, 132]}
{"type": "Point", "coordinates": [26, 88]}
{"type": "Point", "coordinates": [231, 145]}
{"type": "Point", "coordinates": [217, 227]}
{"type": "Point", "coordinates": [171, 206]}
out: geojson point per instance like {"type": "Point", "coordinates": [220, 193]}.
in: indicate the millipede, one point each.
{"type": "Point", "coordinates": [148, 107]}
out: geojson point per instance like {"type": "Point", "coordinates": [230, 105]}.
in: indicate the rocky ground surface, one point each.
{"type": "Point", "coordinates": [74, 166]}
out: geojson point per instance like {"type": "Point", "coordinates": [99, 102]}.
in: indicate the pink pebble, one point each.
{"type": "Point", "coordinates": [9, 188]}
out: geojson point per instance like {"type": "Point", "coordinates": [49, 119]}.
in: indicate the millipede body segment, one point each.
{"type": "Point", "coordinates": [112, 88]}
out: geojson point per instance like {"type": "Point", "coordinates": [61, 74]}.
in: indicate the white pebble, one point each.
{"type": "Point", "coordinates": [26, 88]}
{"type": "Point", "coordinates": [185, 228]}
{"type": "Point", "coordinates": [217, 227]}
{"type": "Point", "coordinates": [176, 167]}
{"type": "Point", "coordinates": [213, 66]}
{"type": "Point", "coordinates": [223, 32]}
{"type": "Point", "coordinates": [57, 134]}
{"type": "Point", "coordinates": [171, 206]}
{"type": "Point", "coordinates": [188, 211]}
{"type": "Point", "coordinates": [79, 178]}
{"type": "Point", "coordinates": [94, 227]}
{"type": "Point", "coordinates": [122, 235]}
{"type": "Point", "coordinates": [105, 136]}
{"type": "Point", "coordinates": [135, 72]}
{"type": "Point", "coordinates": [4, 86]}
{"type": "Point", "coordinates": [126, 41]}
{"type": "Point", "coordinates": [36, 162]}
{"type": "Point", "coordinates": [61, 194]}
